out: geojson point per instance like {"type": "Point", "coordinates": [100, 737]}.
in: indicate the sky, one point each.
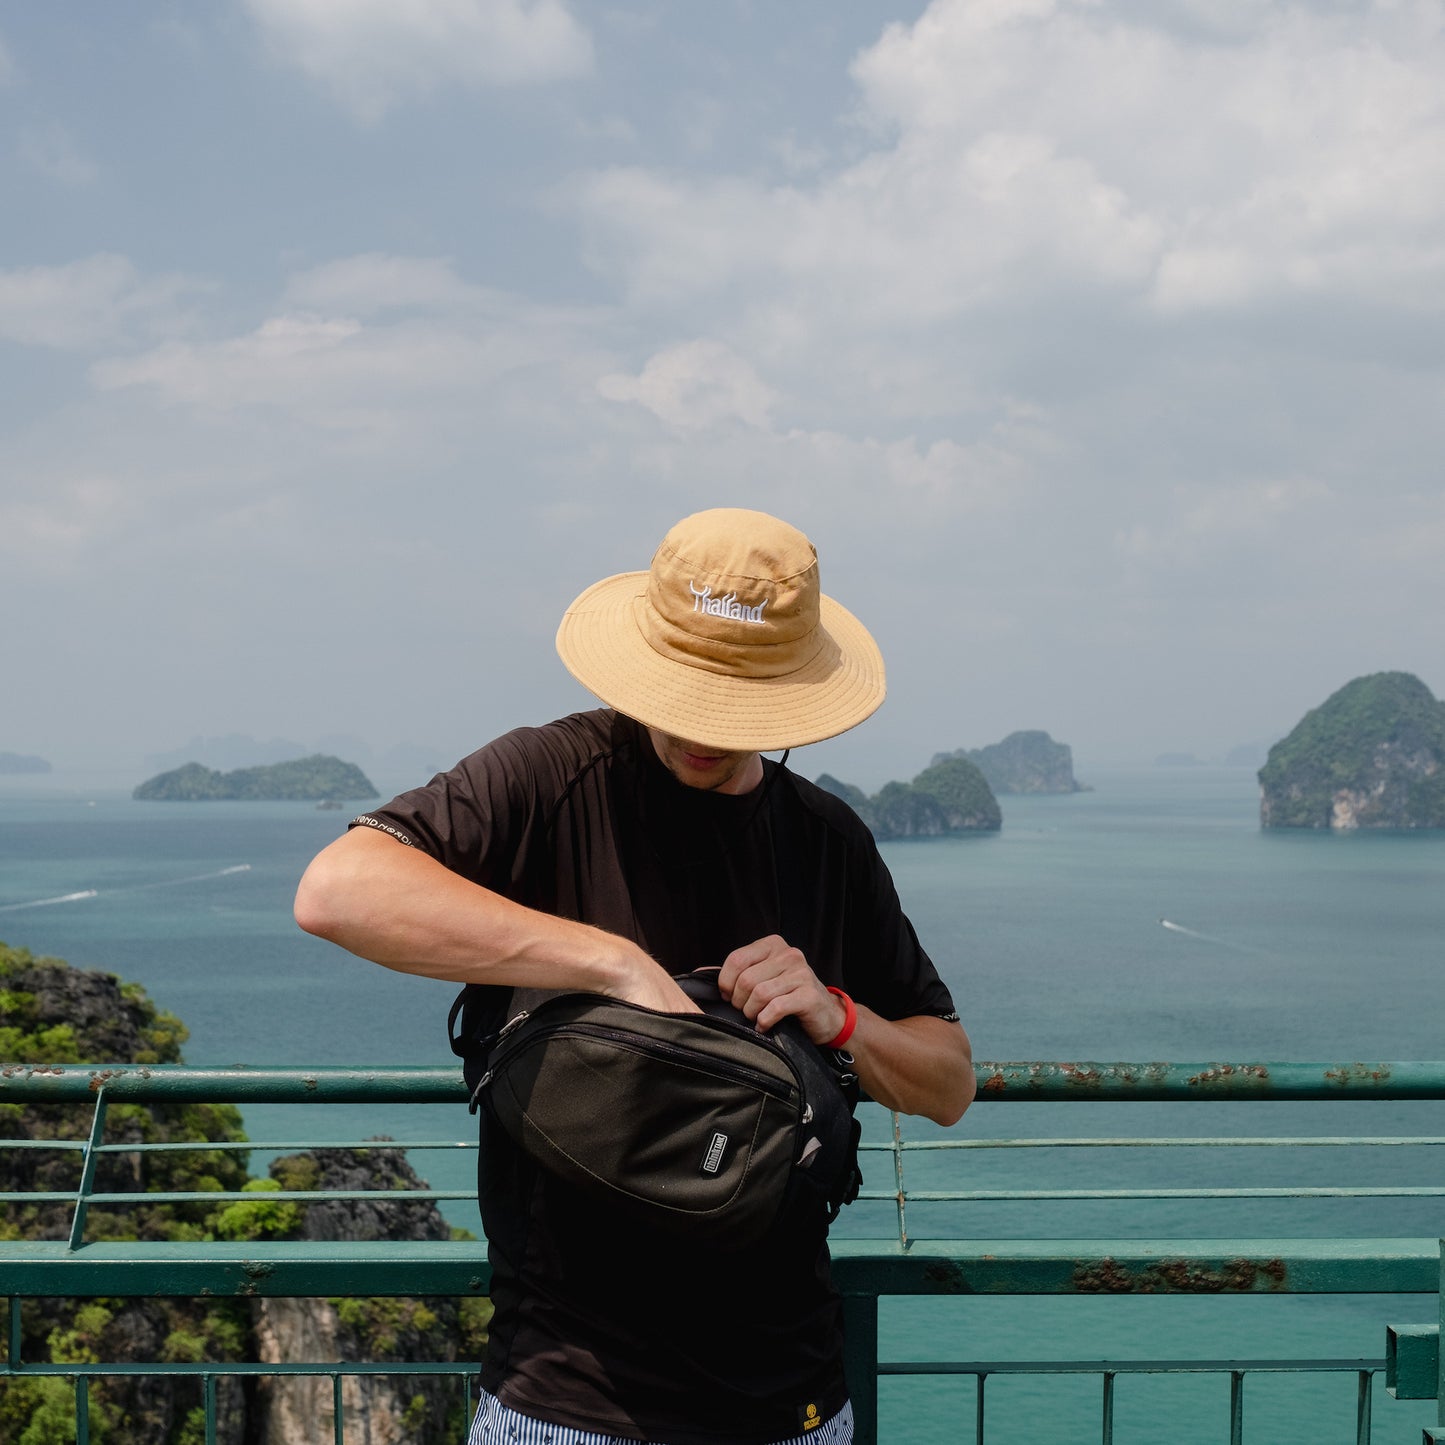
{"type": "Point", "coordinates": [1096, 344]}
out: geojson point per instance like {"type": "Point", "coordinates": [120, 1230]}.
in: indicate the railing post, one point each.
{"type": "Point", "coordinates": [87, 1172]}
{"type": "Point", "coordinates": [1440, 1354]}
{"type": "Point", "coordinates": [1363, 1406]}
{"type": "Point", "coordinates": [860, 1363]}
{"type": "Point", "coordinates": [1437, 1434]}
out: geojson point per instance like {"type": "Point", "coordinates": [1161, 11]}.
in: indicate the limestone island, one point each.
{"type": "Point", "coordinates": [1372, 755]}
{"type": "Point", "coordinates": [949, 796]}
{"type": "Point", "coordinates": [22, 763]}
{"type": "Point", "coordinates": [318, 778]}
{"type": "Point", "coordinates": [1024, 762]}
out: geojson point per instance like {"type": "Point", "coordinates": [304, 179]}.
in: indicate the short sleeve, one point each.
{"type": "Point", "coordinates": [885, 965]}
{"type": "Point", "coordinates": [480, 818]}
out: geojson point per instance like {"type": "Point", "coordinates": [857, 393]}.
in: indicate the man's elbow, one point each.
{"type": "Point", "coordinates": [960, 1088]}
{"type": "Point", "coordinates": [955, 1104]}
{"type": "Point", "coordinates": [319, 908]}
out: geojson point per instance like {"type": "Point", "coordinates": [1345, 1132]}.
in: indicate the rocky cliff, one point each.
{"type": "Point", "coordinates": [1024, 762]}
{"type": "Point", "coordinates": [1372, 755]}
{"type": "Point", "coordinates": [379, 1410]}
{"type": "Point", "coordinates": [22, 763]}
{"type": "Point", "coordinates": [314, 779]}
{"type": "Point", "coordinates": [51, 1013]}
{"type": "Point", "coordinates": [950, 796]}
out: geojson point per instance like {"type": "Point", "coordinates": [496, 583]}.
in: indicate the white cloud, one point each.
{"type": "Point", "coordinates": [696, 384]}
{"type": "Point", "coordinates": [101, 300]}
{"type": "Point", "coordinates": [1024, 147]}
{"type": "Point", "coordinates": [366, 345]}
{"type": "Point", "coordinates": [373, 53]}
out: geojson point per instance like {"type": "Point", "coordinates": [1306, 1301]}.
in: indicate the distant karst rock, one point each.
{"type": "Point", "coordinates": [951, 796]}
{"type": "Point", "coordinates": [851, 794]}
{"type": "Point", "coordinates": [311, 780]}
{"type": "Point", "coordinates": [1372, 755]}
{"type": "Point", "coordinates": [22, 763]}
{"type": "Point", "coordinates": [1024, 762]}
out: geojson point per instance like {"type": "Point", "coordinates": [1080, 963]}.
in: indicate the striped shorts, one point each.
{"type": "Point", "coordinates": [495, 1424]}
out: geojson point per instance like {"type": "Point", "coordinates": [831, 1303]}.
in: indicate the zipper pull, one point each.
{"type": "Point", "coordinates": [512, 1025]}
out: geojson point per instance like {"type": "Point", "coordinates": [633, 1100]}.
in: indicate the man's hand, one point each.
{"type": "Point", "coordinates": [917, 1065]}
{"type": "Point", "coordinates": [770, 980]}
{"type": "Point", "coordinates": [652, 987]}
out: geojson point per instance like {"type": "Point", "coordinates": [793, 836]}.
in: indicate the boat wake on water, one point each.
{"type": "Point", "coordinates": [1206, 937]}
{"type": "Point", "coordinates": [191, 878]}
{"type": "Point", "coordinates": [85, 893]}
{"type": "Point", "coordinates": [45, 902]}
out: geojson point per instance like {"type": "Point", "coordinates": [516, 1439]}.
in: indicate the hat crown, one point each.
{"type": "Point", "coordinates": [734, 591]}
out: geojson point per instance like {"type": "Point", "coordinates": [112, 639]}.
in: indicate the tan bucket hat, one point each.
{"type": "Point", "coordinates": [727, 640]}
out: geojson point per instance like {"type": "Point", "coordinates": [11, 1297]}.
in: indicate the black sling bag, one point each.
{"type": "Point", "coordinates": [696, 1123]}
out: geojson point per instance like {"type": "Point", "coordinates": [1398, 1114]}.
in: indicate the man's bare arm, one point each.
{"type": "Point", "coordinates": [399, 907]}
{"type": "Point", "coordinates": [919, 1065]}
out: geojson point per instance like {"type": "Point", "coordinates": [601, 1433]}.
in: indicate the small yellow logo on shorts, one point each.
{"type": "Point", "coordinates": [810, 1417]}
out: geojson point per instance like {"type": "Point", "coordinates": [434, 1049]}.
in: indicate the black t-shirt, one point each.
{"type": "Point", "coordinates": [598, 1324]}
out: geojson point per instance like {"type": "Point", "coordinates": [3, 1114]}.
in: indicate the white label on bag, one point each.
{"type": "Point", "coordinates": [713, 1160]}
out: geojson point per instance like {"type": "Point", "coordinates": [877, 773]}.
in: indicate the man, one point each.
{"type": "Point", "coordinates": [607, 852]}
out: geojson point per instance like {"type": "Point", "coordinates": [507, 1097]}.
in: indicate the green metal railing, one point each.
{"type": "Point", "coordinates": [865, 1269]}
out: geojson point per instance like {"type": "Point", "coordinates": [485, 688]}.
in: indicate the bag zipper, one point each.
{"type": "Point", "coordinates": [663, 1048]}
{"type": "Point", "coordinates": [645, 1043]}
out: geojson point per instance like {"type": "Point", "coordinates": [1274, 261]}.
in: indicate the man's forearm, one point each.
{"type": "Point", "coordinates": [399, 907]}
{"type": "Point", "coordinates": [916, 1065]}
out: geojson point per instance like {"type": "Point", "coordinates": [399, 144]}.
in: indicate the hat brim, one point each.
{"type": "Point", "coordinates": [604, 648]}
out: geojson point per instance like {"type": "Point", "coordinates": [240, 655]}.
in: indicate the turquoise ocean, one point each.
{"type": "Point", "coordinates": [1148, 919]}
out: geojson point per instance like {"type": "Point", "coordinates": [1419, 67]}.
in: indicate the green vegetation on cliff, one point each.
{"type": "Point", "coordinates": [1372, 755]}
{"type": "Point", "coordinates": [315, 779]}
{"type": "Point", "coordinates": [52, 1014]}
{"type": "Point", "coordinates": [950, 796]}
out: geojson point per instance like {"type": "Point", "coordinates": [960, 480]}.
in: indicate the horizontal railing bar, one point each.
{"type": "Point", "coordinates": [1172, 1141]}
{"type": "Point", "coordinates": [235, 1084]}
{"type": "Point", "coordinates": [241, 1196]}
{"type": "Point", "coordinates": [912, 1195]}
{"type": "Point", "coordinates": [1303, 1191]}
{"type": "Point", "coordinates": [929, 1196]}
{"type": "Point", "coordinates": [247, 1367]}
{"type": "Point", "coordinates": [1128, 1367]}
{"type": "Point", "coordinates": [1029, 1082]}
{"type": "Point", "coordinates": [202, 1146]}
{"type": "Point", "coordinates": [885, 1367]}
{"type": "Point", "coordinates": [1018, 1081]}
{"type": "Point", "coordinates": [860, 1266]}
